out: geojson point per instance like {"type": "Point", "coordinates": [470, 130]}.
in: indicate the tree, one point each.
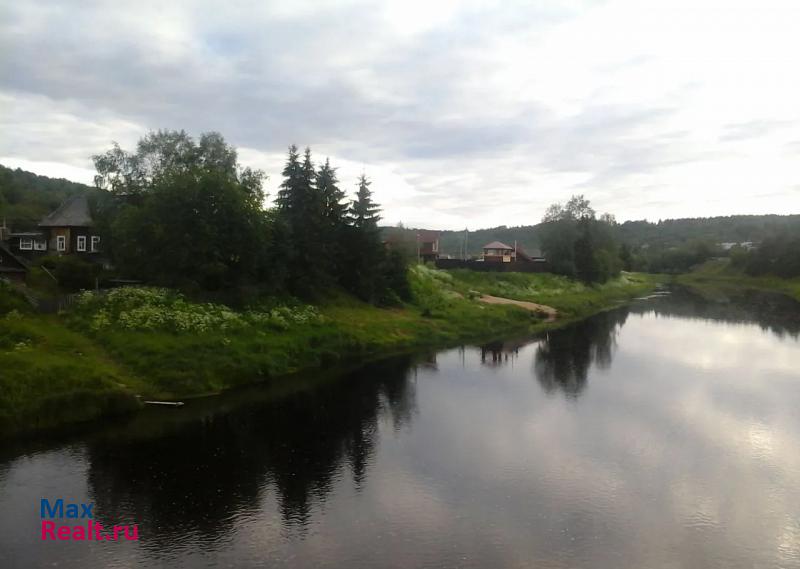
{"type": "Point", "coordinates": [192, 217]}
{"type": "Point", "coordinates": [587, 267]}
{"type": "Point", "coordinates": [301, 208]}
{"type": "Point", "coordinates": [334, 218]}
{"type": "Point", "coordinates": [626, 257]}
{"type": "Point", "coordinates": [365, 257]}
{"type": "Point", "coordinates": [332, 196]}
{"type": "Point", "coordinates": [577, 207]}
{"type": "Point", "coordinates": [168, 153]}
{"type": "Point", "coordinates": [577, 244]}
{"type": "Point", "coordinates": [364, 211]}
{"type": "Point", "coordinates": [196, 230]}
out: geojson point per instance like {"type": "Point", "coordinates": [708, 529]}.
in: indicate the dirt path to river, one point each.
{"type": "Point", "coordinates": [551, 312]}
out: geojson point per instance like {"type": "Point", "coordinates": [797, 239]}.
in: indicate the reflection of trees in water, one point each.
{"type": "Point", "coordinates": [564, 356]}
{"type": "Point", "coordinates": [772, 312]}
{"type": "Point", "coordinates": [497, 354]}
{"type": "Point", "coordinates": [195, 479]}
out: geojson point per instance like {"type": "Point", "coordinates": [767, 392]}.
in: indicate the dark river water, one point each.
{"type": "Point", "coordinates": [661, 434]}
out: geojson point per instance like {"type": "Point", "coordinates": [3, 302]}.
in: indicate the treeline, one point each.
{"type": "Point", "coordinates": [778, 255]}
{"type": "Point", "coordinates": [658, 237]}
{"type": "Point", "coordinates": [185, 214]}
{"type": "Point", "coordinates": [725, 229]}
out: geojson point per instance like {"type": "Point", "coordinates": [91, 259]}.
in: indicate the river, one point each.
{"type": "Point", "coordinates": [665, 433]}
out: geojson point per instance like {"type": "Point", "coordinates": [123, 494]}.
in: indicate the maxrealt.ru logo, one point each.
{"type": "Point", "coordinates": [86, 530]}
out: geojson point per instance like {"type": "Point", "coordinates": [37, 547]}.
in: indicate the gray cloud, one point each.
{"type": "Point", "coordinates": [446, 98]}
{"type": "Point", "coordinates": [752, 129]}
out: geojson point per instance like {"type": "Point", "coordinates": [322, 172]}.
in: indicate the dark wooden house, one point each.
{"type": "Point", "coordinates": [66, 231]}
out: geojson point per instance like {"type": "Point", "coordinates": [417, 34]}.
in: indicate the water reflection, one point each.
{"type": "Point", "coordinates": [198, 478]}
{"type": "Point", "coordinates": [563, 358]}
{"type": "Point", "coordinates": [772, 312]}
{"type": "Point", "coordinates": [656, 435]}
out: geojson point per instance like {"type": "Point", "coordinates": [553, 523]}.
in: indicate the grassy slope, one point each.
{"type": "Point", "coordinates": [52, 374]}
{"type": "Point", "coordinates": [720, 276]}
{"type": "Point", "coordinates": [571, 298]}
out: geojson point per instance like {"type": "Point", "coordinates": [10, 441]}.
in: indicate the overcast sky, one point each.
{"type": "Point", "coordinates": [465, 114]}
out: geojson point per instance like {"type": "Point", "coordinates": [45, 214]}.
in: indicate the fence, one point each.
{"type": "Point", "coordinates": [488, 267]}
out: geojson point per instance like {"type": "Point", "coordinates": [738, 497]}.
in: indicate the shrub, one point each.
{"type": "Point", "coordinates": [141, 308]}
{"type": "Point", "coordinates": [73, 274]}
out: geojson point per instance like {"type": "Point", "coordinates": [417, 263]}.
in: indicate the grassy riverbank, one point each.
{"type": "Point", "coordinates": [718, 277]}
{"type": "Point", "coordinates": [96, 359]}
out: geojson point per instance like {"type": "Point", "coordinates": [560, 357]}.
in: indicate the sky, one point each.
{"type": "Point", "coordinates": [464, 114]}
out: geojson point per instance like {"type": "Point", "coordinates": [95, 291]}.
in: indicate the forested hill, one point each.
{"type": "Point", "coordinates": [26, 197]}
{"type": "Point", "coordinates": [666, 233]}
{"type": "Point", "coordinates": [734, 228]}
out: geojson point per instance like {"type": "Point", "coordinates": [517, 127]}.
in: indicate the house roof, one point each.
{"type": "Point", "coordinates": [74, 212]}
{"type": "Point", "coordinates": [497, 245]}
{"type": "Point", "coordinates": [534, 254]}
{"type": "Point", "coordinates": [426, 235]}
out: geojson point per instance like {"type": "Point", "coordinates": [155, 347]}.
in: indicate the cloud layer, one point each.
{"type": "Point", "coordinates": [464, 113]}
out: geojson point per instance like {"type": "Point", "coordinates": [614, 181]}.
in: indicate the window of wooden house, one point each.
{"type": "Point", "coordinates": [61, 243]}
{"type": "Point", "coordinates": [39, 245]}
{"type": "Point", "coordinates": [81, 242]}
{"type": "Point", "coordinates": [25, 244]}
{"type": "Point", "coordinates": [95, 243]}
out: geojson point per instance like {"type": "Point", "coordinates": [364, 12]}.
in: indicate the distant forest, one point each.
{"type": "Point", "coordinates": [662, 234]}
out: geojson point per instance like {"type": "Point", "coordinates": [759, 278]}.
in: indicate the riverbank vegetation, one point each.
{"type": "Point", "coordinates": [723, 275]}
{"type": "Point", "coordinates": [112, 350]}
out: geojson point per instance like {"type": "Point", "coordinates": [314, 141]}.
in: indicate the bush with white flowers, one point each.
{"type": "Point", "coordinates": [142, 308]}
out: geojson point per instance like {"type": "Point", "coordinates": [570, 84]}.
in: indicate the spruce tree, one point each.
{"type": "Point", "coordinates": [365, 253]}
{"type": "Point", "coordinates": [332, 195]}
{"type": "Point", "coordinates": [334, 219]}
{"type": "Point", "coordinates": [301, 208]}
{"type": "Point", "coordinates": [364, 211]}
{"type": "Point", "coordinates": [288, 198]}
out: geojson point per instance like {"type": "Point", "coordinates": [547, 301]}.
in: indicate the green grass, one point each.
{"type": "Point", "coordinates": [11, 300]}
{"type": "Point", "coordinates": [571, 298]}
{"type": "Point", "coordinates": [718, 277]}
{"type": "Point", "coordinates": [58, 370]}
{"type": "Point", "coordinates": [51, 376]}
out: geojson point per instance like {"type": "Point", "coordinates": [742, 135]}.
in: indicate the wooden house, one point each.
{"type": "Point", "coordinates": [497, 252]}
{"type": "Point", "coordinates": [66, 231]}
{"type": "Point", "coordinates": [427, 245]}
